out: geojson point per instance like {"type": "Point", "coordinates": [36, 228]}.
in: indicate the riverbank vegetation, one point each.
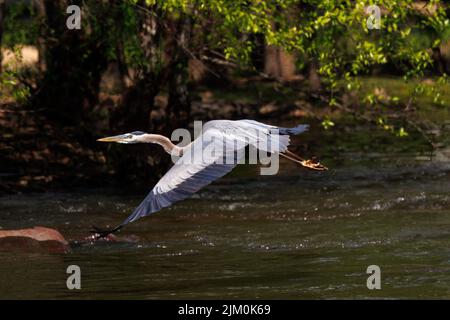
{"type": "Point", "coordinates": [158, 65]}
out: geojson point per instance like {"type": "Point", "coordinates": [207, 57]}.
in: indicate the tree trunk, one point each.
{"type": "Point", "coordinates": [137, 104]}
{"type": "Point", "coordinates": [258, 54]}
{"type": "Point", "coordinates": [138, 100]}
{"type": "Point", "coordinates": [441, 64]}
{"type": "Point", "coordinates": [313, 77]}
{"type": "Point", "coordinates": [75, 61]}
{"type": "Point", "coordinates": [278, 63]}
{"type": "Point", "coordinates": [2, 17]}
{"type": "Point", "coordinates": [179, 104]}
{"type": "Point", "coordinates": [41, 16]}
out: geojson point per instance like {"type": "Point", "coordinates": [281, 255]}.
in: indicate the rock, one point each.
{"type": "Point", "coordinates": [37, 239]}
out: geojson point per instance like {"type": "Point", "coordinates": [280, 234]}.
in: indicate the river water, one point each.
{"type": "Point", "coordinates": [297, 235]}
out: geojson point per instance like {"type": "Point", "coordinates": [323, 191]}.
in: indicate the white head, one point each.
{"type": "Point", "coordinates": [128, 138]}
{"type": "Point", "coordinates": [142, 137]}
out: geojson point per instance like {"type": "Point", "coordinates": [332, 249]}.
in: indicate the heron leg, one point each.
{"type": "Point", "coordinates": [305, 163]}
{"type": "Point", "coordinates": [293, 155]}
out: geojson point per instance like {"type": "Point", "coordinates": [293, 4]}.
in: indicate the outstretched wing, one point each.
{"type": "Point", "coordinates": [208, 158]}
{"type": "Point", "coordinates": [194, 170]}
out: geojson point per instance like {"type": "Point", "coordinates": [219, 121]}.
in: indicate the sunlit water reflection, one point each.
{"type": "Point", "coordinates": [296, 235]}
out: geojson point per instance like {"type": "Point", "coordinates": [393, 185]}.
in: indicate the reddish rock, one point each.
{"type": "Point", "coordinates": [34, 239]}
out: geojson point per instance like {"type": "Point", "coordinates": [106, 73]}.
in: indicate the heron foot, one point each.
{"type": "Point", "coordinates": [309, 163]}
{"type": "Point", "coordinates": [313, 165]}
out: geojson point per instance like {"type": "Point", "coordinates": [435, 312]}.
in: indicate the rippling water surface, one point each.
{"type": "Point", "coordinates": [297, 235]}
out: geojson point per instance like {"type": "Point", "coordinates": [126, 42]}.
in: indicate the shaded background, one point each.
{"type": "Point", "coordinates": [156, 66]}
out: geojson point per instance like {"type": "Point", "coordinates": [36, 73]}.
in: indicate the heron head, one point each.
{"type": "Point", "coordinates": [132, 137]}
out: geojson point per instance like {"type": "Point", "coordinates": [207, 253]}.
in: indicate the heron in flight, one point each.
{"type": "Point", "coordinates": [186, 177]}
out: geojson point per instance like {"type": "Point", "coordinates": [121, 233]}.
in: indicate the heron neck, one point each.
{"type": "Point", "coordinates": [165, 142]}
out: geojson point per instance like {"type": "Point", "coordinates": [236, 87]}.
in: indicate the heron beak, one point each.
{"type": "Point", "coordinates": [119, 138]}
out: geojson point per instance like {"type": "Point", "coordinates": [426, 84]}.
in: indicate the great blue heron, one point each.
{"type": "Point", "coordinates": [187, 177]}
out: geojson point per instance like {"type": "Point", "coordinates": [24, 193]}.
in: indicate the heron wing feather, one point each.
{"type": "Point", "coordinates": [187, 175]}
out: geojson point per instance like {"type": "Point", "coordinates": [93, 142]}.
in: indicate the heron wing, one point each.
{"type": "Point", "coordinates": [277, 130]}
{"type": "Point", "coordinates": [259, 135]}
{"type": "Point", "coordinates": [187, 176]}
{"type": "Point", "coordinates": [228, 140]}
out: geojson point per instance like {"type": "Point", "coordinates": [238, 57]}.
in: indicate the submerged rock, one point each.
{"type": "Point", "coordinates": [37, 239]}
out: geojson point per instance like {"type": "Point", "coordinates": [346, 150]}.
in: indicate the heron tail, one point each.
{"type": "Point", "coordinates": [295, 130]}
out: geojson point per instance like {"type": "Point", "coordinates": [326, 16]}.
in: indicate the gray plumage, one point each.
{"type": "Point", "coordinates": [187, 177]}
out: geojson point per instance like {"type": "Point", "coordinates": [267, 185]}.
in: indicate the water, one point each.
{"type": "Point", "coordinates": [298, 235]}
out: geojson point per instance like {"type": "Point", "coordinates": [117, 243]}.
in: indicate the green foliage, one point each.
{"type": "Point", "coordinates": [10, 84]}
{"type": "Point", "coordinates": [20, 27]}
{"type": "Point", "coordinates": [332, 33]}
{"type": "Point", "coordinates": [327, 123]}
